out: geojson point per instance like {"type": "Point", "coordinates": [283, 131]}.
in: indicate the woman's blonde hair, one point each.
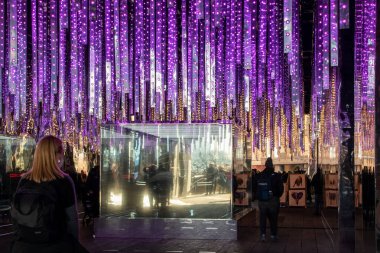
{"type": "Point", "coordinates": [45, 166]}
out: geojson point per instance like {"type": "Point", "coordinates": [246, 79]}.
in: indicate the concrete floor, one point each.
{"type": "Point", "coordinates": [299, 231]}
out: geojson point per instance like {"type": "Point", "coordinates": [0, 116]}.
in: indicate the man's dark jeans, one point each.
{"type": "Point", "coordinates": [269, 209]}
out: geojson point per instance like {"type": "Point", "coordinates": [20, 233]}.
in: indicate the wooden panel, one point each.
{"type": "Point", "coordinates": [297, 198]}
{"type": "Point", "coordinates": [331, 198]}
{"type": "Point", "coordinates": [331, 181]}
{"type": "Point", "coordinates": [297, 181]}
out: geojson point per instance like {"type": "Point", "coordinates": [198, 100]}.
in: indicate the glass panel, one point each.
{"type": "Point", "coordinates": [166, 170]}
{"type": "Point", "coordinates": [16, 157]}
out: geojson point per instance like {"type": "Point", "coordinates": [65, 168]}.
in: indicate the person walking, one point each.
{"type": "Point", "coordinates": [44, 206]}
{"type": "Point", "coordinates": [268, 188]}
{"type": "Point", "coordinates": [317, 183]}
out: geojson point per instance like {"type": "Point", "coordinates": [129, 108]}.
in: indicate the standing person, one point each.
{"type": "Point", "coordinates": [44, 207]}
{"type": "Point", "coordinates": [93, 188]}
{"type": "Point", "coordinates": [317, 183]}
{"type": "Point", "coordinates": [268, 188]}
{"type": "Point", "coordinates": [210, 177]}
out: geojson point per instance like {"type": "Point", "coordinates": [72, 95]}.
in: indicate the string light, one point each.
{"type": "Point", "coordinates": [202, 60]}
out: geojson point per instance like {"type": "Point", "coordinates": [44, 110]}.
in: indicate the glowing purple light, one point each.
{"type": "Point", "coordinates": [106, 60]}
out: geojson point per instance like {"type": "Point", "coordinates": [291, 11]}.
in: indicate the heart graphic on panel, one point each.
{"type": "Point", "coordinates": [297, 196]}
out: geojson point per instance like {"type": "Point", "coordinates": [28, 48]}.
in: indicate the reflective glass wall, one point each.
{"type": "Point", "coordinates": [167, 170]}
{"type": "Point", "coordinates": [16, 157]}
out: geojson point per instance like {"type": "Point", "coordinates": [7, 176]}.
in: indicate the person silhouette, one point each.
{"type": "Point", "coordinates": [268, 187]}
{"type": "Point", "coordinates": [317, 184]}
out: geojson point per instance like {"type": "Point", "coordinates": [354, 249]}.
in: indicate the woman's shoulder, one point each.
{"type": "Point", "coordinates": [65, 180]}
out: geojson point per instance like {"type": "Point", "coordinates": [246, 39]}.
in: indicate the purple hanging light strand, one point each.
{"type": "Point", "coordinates": [207, 5]}
{"type": "Point", "coordinates": [63, 24]}
{"type": "Point", "coordinates": [195, 60]}
{"type": "Point", "coordinates": [220, 66]}
{"type": "Point", "coordinates": [247, 64]}
{"type": "Point", "coordinates": [279, 67]}
{"type": "Point", "coordinates": [13, 86]}
{"type": "Point", "coordinates": [46, 78]}
{"type": "Point", "coordinates": [371, 30]}
{"type": "Point", "coordinates": [84, 21]}
{"type": "Point", "coordinates": [124, 53]}
{"type": "Point", "coordinates": [54, 49]}
{"type": "Point", "coordinates": [164, 62]}
{"type": "Point", "coordinates": [271, 50]}
{"type": "Point", "coordinates": [318, 85]}
{"type": "Point", "coordinates": [359, 18]}
{"type": "Point", "coordinates": [231, 57]}
{"type": "Point", "coordinates": [81, 64]}
{"type": "Point", "coordinates": [116, 39]}
{"type": "Point", "coordinates": [108, 59]}
{"type": "Point", "coordinates": [262, 47]}
{"type": "Point", "coordinates": [172, 55]}
{"type": "Point", "coordinates": [334, 19]}
{"type": "Point", "coordinates": [152, 52]}
{"type": "Point", "coordinates": [201, 66]}
{"type": "Point", "coordinates": [2, 35]}
{"type": "Point", "coordinates": [253, 76]}
{"type": "Point", "coordinates": [159, 75]}
{"type": "Point", "coordinates": [365, 52]}
{"type": "Point", "coordinates": [99, 61]}
{"type": "Point", "coordinates": [212, 56]}
{"type": "Point", "coordinates": [21, 27]}
{"type": "Point", "coordinates": [326, 46]}
{"type": "Point", "coordinates": [344, 14]}
{"type": "Point", "coordinates": [146, 102]}
{"type": "Point", "coordinates": [139, 68]}
{"type": "Point", "coordinates": [92, 59]}
{"type": "Point", "coordinates": [184, 46]}
{"type": "Point", "coordinates": [74, 58]}
{"type": "Point", "coordinates": [295, 69]}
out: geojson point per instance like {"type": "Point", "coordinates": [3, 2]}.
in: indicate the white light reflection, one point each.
{"type": "Point", "coordinates": [116, 199]}
{"type": "Point", "coordinates": [146, 202]}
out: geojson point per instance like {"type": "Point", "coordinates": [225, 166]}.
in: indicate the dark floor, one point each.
{"type": "Point", "coordinates": [299, 231]}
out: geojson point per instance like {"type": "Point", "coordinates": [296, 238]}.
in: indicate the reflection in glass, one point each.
{"type": "Point", "coordinates": [166, 170]}
{"type": "Point", "coordinates": [16, 157]}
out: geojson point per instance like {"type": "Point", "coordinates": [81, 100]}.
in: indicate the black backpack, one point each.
{"type": "Point", "coordinates": [35, 212]}
{"type": "Point", "coordinates": [264, 188]}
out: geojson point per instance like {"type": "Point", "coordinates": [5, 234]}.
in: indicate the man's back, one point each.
{"type": "Point", "coordinates": [276, 184]}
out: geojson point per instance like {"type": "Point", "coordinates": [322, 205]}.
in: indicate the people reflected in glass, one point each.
{"type": "Point", "coordinates": [211, 175]}
{"type": "Point", "coordinates": [149, 173]}
{"type": "Point", "coordinates": [161, 183]}
{"type": "Point", "coordinates": [222, 180]}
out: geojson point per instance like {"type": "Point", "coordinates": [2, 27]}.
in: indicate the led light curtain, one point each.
{"type": "Point", "coordinates": [324, 113]}
{"type": "Point", "coordinates": [365, 54]}
{"type": "Point", "coordinates": [326, 77]}
{"type": "Point", "coordinates": [67, 66]}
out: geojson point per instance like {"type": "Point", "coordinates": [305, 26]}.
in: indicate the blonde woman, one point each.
{"type": "Point", "coordinates": [44, 207]}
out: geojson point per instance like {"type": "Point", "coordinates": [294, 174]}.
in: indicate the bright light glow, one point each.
{"type": "Point", "coordinates": [116, 199]}
{"type": "Point", "coordinates": [146, 202]}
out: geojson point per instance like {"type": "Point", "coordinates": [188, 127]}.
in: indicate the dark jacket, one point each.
{"type": "Point", "coordinates": [276, 182]}
{"type": "Point", "coordinates": [317, 183]}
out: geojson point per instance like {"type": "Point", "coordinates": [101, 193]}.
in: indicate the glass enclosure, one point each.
{"type": "Point", "coordinates": [167, 170]}
{"type": "Point", "coordinates": [16, 157]}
